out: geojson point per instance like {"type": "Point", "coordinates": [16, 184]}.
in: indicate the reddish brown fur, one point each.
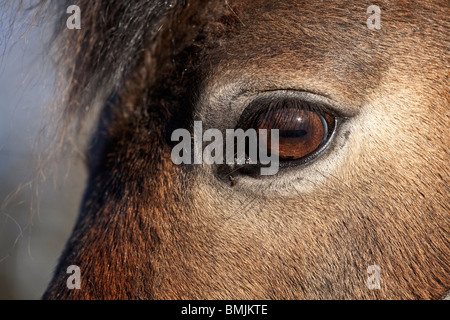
{"type": "Point", "coordinates": [150, 229]}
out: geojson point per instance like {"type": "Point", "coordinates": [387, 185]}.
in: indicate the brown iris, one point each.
{"type": "Point", "coordinates": [301, 130]}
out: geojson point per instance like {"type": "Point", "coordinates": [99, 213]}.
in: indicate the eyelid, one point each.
{"type": "Point", "coordinates": [314, 102]}
{"type": "Point", "coordinates": [234, 98]}
{"type": "Point", "coordinates": [321, 102]}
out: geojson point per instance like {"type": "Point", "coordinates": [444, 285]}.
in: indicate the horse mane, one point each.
{"type": "Point", "coordinates": [107, 48]}
{"type": "Point", "coordinates": [123, 45]}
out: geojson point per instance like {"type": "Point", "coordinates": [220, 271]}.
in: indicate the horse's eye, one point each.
{"type": "Point", "coordinates": [302, 130]}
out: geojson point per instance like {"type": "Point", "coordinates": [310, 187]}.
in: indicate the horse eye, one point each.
{"type": "Point", "coordinates": [302, 130]}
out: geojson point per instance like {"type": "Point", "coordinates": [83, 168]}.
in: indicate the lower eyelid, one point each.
{"type": "Point", "coordinates": [293, 170]}
{"type": "Point", "coordinates": [238, 107]}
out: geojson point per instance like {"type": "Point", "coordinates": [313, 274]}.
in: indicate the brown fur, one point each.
{"type": "Point", "coordinates": [152, 230]}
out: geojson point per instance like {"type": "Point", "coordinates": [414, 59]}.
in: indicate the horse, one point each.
{"type": "Point", "coordinates": [359, 206]}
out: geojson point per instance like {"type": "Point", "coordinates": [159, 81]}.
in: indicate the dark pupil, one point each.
{"type": "Point", "coordinates": [292, 133]}
{"type": "Point", "coordinates": [301, 131]}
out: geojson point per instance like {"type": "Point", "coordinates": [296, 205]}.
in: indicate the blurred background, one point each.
{"type": "Point", "coordinates": [36, 218]}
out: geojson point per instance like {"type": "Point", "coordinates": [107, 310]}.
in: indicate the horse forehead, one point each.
{"type": "Point", "coordinates": [324, 42]}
